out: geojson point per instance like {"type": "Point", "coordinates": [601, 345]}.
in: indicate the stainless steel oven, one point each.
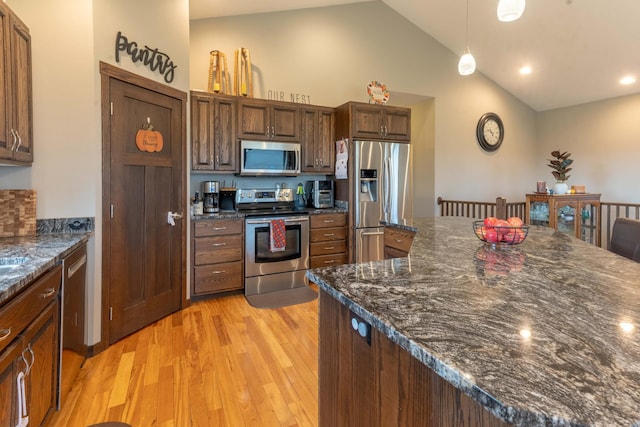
{"type": "Point", "coordinates": [269, 271]}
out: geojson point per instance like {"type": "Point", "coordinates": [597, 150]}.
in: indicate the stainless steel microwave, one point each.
{"type": "Point", "coordinates": [269, 158]}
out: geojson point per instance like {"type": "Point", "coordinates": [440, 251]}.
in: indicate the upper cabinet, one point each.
{"type": "Point", "coordinates": [376, 122]}
{"type": "Point", "coordinates": [259, 119]}
{"type": "Point", "coordinates": [213, 132]}
{"type": "Point", "coordinates": [16, 101]}
{"type": "Point", "coordinates": [318, 137]}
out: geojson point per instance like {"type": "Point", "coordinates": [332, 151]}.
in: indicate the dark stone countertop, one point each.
{"type": "Point", "coordinates": [545, 333]}
{"type": "Point", "coordinates": [43, 252]}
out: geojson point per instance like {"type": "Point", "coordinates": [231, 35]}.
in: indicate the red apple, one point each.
{"type": "Point", "coordinates": [519, 236]}
{"type": "Point", "coordinates": [491, 235]}
{"type": "Point", "coordinates": [514, 221]}
{"type": "Point", "coordinates": [510, 236]}
{"type": "Point", "coordinates": [490, 221]}
{"type": "Point", "coordinates": [502, 227]}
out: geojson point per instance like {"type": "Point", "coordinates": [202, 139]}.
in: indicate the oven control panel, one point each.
{"type": "Point", "coordinates": [264, 195]}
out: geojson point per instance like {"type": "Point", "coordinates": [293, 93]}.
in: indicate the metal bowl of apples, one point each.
{"type": "Point", "coordinates": [500, 233]}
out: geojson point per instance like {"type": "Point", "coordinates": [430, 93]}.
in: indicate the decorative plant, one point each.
{"type": "Point", "coordinates": [560, 165]}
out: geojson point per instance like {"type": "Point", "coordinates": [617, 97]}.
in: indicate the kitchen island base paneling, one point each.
{"type": "Point", "coordinates": [377, 383]}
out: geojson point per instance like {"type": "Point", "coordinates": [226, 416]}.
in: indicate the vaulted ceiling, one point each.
{"type": "Point", "coordinates": [578, 50]}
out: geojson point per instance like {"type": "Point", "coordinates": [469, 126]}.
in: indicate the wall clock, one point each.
{"type": "Point", "coordinates": [490, 131]}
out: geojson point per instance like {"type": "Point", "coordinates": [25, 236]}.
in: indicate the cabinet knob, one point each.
{"type": "Point", "coordinates": [4, 333]}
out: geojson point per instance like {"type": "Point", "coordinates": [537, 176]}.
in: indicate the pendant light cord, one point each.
{"type": "Point", "coordinates": [467, 28]}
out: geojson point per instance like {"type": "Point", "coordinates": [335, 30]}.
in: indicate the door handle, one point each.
{"type": "Point", "coordinates": [172, 216]}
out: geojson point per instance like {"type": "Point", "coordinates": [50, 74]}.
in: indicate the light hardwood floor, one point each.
{"type": "Point", "coordinates": [219, 362]}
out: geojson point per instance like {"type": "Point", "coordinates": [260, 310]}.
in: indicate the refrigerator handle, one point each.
{"type": "Point", "coordinates": [386, 189]}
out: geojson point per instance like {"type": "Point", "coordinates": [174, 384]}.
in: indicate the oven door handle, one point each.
{"type": "Point", "coordinates": [286, 220]}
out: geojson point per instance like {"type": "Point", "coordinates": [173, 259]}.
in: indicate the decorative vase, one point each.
{"type": "Point", "coordinates": [560, 188]}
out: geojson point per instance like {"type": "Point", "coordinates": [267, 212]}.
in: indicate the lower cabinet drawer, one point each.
{"type": "Point", "coordinates": [217, 227]}
{"type": "Point", "coordinates": [327, 234]}
{"type": "Point", "coordinates": [217, 249]}
{"type": "Point", "coordinates": [328, 260]}
{"type": "Point", "coordinates": [325, 248]}
{"type": "Point", "coordinates": [218, 277]}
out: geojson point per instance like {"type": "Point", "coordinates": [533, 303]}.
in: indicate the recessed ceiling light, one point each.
{"type": "Point", "coordinates": [627, 80]}
{"type": "Point", "coordinates": [525, 70]}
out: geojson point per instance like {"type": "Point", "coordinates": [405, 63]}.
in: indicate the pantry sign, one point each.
{"type": "Point", "coordinates": [152, 58]}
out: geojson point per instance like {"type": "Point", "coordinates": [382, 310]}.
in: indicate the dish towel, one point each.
{"type": "Point", "coordinates": [277, 235]}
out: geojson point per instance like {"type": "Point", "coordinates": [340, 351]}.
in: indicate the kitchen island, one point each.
{"type": "Point", "coordinates": [540, 334]}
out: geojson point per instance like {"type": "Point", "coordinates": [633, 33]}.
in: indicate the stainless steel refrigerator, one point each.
{"type": "Point", "coordinates": [383, 191]}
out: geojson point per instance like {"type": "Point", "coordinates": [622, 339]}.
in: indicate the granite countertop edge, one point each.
{"type": "Point", "coordinates": [451, 375]}
{"type": "Point", "coordinates": [44, 252]}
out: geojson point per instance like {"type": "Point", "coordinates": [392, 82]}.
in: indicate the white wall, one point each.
{"type": "Point", "coordinates": [603, 139]}
{"type": "Point", "coordinates": [331, 53]}
{"type": "Point", "coordinates": [69, 38]}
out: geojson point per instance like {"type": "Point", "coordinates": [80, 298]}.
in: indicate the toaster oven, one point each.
{"type": "Point", "coordinates": [321, 194]}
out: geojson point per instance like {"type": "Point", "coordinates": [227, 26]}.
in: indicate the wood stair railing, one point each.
{"type": "Point", "coordinates": [500, 208]}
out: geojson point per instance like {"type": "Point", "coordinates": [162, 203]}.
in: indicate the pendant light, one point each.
{"type": "Point", "coordinates": [467, 63]}
{"type": "Point", "coordinates": [510, 10]}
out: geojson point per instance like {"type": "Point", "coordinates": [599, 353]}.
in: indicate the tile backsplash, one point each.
{"type": "Point", "coordinates": [17, 213]}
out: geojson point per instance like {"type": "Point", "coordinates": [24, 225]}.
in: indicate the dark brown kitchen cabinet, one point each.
{"type": "Point", "coordinates": [259, 119]}
{"type": "Point", "coordinates": [16, 100]}
{"type": "Point", "coordinates": [218, 256]}
{"type": "Point", "coordinates": [365, 379]}
{"type": "Point", "coordinates": [377, 122]}
{"type": "Point", "coordinates": [9, 368]}
{"type": "Point", "coordinates": [29, 349]}
{"type": "Point", "coordinates": [213, 132]}
{"type": "Point", "coordinates": [318, 148]}
{"type": "Point", "coordinates": [327, 240]}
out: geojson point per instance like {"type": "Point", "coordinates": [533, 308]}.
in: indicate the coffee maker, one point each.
{"type": "Point", "coordinates": [211, 195]}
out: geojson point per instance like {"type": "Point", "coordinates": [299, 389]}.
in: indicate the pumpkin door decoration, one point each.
{"type": "Point", "coordinates": [148, 139]}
